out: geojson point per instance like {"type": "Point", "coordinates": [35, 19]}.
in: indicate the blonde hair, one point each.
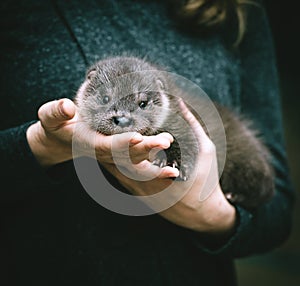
{"type": "Point", "coordinates": [212, 13]}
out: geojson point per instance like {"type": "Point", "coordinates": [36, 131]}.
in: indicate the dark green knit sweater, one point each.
{"type": "Point", "coordinates": [52, 232]}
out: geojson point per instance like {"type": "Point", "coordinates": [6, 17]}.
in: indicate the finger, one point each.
{"type": "Point", "coordinates": [54, 113]}
{"type": "Point", "coordinates": [145, 170]}
{"type": "Point", "coordinates": [202, 138]}
{"type": "Point", "coordinates": [137, 157]}
{"type": "Point", "coordinates": [67, 107]}
{"type": "Point", "coordinates": [117, 142]}
{"type": "Point", "coordinates": [146, 167]}
{"type": "Point", "coordinates": [138, 187]}
{"type": "Point", "coordinates": [168, 172]}
{"type": "Point", "coordinates": [131, 146]}
{"type": "Point", "coordinates": [149, 147]}
{"type": "Point", "coordinates": [162, 140]}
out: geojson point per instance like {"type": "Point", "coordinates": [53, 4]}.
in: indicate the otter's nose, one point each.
{"type": "Point", "coordinates": [122, 121]}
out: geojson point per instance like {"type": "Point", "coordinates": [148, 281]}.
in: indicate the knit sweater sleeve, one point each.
{"type": "Point", "coordinates": [21, 175]}
{"type": "Point", "coordinates": [268, 226]}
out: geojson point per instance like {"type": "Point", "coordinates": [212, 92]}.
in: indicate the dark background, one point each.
{"type": "Point", "coordinates": [282, 266]}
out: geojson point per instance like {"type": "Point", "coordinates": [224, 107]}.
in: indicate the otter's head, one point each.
{"type": "Point", "coordinates": [123, 94]}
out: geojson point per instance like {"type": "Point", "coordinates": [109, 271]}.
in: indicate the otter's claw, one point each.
{"type": "Point", "coordinates": [175, 164]}
{"type": "Point", "coordinates": [160, 162]}
{"type": "Point", "coordinates": [182, 176]}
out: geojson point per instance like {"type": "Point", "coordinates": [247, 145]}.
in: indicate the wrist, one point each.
{"type": "Point", "coordinates": [214, 216]}
{"type": "Point", "coordinates": [220, 216]}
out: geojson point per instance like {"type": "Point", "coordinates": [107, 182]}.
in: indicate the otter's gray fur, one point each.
{"type": "Point", "coordinates": [110, 103]}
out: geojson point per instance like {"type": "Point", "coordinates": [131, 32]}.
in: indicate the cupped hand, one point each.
{"type": "Point", "coordinates": [203, 207]}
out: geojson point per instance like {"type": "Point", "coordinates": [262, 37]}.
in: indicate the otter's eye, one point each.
{"type": "Point", "coordinates": [143, 104]}
{"type": "Point", "coordinates": [105, 99]}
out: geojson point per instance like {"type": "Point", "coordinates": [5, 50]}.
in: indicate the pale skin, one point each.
{"type": "Point", "coordinates": [50, 140]}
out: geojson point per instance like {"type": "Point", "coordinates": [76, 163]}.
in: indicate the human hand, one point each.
{"type": "Point", "coordinates": [203, 207]}
{"type": "Point", "coordinates": [51, 138]}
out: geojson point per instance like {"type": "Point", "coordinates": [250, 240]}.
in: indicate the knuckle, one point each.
{"type": "Point", "coordinates": [41, 113]}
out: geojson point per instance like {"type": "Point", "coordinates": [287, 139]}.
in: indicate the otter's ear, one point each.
{"type": "Point", "coordinates": [160, 84]}
{"type": "Point", "coordinates": [91, 73]}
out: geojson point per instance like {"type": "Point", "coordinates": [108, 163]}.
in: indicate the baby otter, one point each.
{"type": "Point", "coordinates": [111, 103]}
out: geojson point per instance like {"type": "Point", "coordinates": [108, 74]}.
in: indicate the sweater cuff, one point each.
{"type": "Point", "coordinates": [216, 247]}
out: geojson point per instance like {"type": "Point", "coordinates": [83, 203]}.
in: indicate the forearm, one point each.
{"type": "Point", "coordinates": [20, 173]}
{"type": "Point", "coordinates": [27, 149]}
{"type": "Point", "coordinates": [220, 221]}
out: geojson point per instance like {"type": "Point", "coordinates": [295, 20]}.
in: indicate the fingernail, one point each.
{"type": "Point", "coordinates": [136, 138]}
{"type": "Point", "coordinates": [181, 104]}
{"type": "Point", "coordinates": [62, 110]}
{"type": "Point", "coordinates": [167, 136]}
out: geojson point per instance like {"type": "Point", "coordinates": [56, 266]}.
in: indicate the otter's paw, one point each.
{"type": "Point", "coordinates": [182, 175]}
{"type": "Point", "coordinates": [235, 198]}
{"type": "Point", "coordinates": [160, 162]}
{"type": "Point", "coordinates": [162, 159]}
{"type": "Point", "coordinates": [163, 162]}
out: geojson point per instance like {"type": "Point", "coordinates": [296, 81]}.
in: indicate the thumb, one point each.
{"type": "Point", "coordinates": [54, 113]}
{"type": "Point", "coordinates": [204, 141]}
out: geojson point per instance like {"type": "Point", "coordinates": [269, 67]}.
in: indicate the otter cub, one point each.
{"type": "Point", "coordinates": [125, 94]}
